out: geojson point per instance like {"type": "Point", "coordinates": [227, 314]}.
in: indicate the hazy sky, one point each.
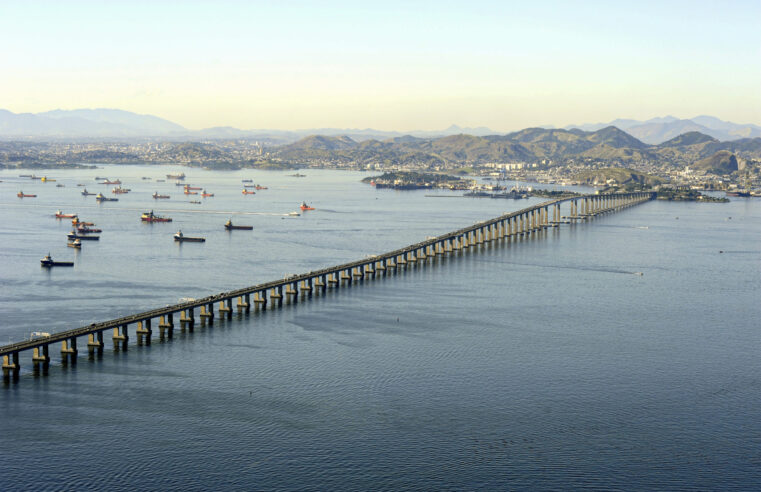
{"type": "Point", "coordinates": [393, 65]}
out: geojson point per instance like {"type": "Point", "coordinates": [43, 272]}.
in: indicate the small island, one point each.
{"type": "Point", "coordinates": [410, 180]}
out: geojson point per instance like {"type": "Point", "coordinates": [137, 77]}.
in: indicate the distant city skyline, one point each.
{"type": "Point", "coordinates": [405, 66]}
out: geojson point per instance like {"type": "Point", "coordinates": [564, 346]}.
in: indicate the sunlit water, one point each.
{"type": "Point", "coordinates": [532, 364]}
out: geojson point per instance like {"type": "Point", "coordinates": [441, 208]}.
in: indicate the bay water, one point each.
{"type": "Point", "coordinates": [619, 353]}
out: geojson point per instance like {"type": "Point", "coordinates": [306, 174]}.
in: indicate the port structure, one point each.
{"type": "Point", "coordinates": [524, 222]}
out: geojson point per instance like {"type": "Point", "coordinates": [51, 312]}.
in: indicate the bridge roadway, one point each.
{"type": "Point", "coordinates": [519, 223]}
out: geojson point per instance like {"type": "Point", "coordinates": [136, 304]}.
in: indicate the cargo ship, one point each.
{"type": "Point", "coordinates": [48, 262]}
{"type": "Point", "coordinates": [151, 217]}
{"type": "Point", "coordinates": [76, 244]}
{"type": "Point", "coordinates": [204, 194]}
{"type": "Point", "coordinates": [157, 196]}
{"type": "Point", "coordinates": [73, 235]}
{"type": "Point", "coordinates": [60, 215]}
{"type": "Point", "coordinates": [82, 229]}
{"type": "Point", "coordinates": [246, 192]}
{"type": "Point", "coordinates": [230, 227]}
{"type": "Point", "coordinates": [180, 237]}
{"type": "Point", "coordinates": [109, 182]}
{"type": "Point", "coordinates": [21, 194]}
{"type": "Point", "coordinates": [86, 193]}
{"type": "Point", "coordinates": [175, 176]}
{"type": "Point", "coordinates": [101, 198]}
{"type": "Point", "coordinates": [120, 190]}
{"type": "Point", "coordinates": [188, 187]}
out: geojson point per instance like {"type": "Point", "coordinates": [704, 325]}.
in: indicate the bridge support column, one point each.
{"type": "Point", "coordinates": [95, 342]}
{"type": "Point", "coordinates": [207, 313]}
{"type": "Point", "coordinates": [276, 294]}
{"type": "Point", "coordinates": [260, 299]}
{"type": "Point", "coordinates": [69, 350]}
{"type": "Point", "coordinates": [226, 308]}
{"type": "Point", "coordinates": [244, 303]}
{"type": "Point", "coordinates": [322, 282]}
{"type": "Point", "coordinates": [11, 366]}
{"type": "Point", "coordinates": [144, 332]}
{"type": "Point", "coordinates": [121, 337]}
{"type": "Point", "coordinates": [41, 358]}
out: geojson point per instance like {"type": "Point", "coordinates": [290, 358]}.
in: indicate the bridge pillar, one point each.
{"type": "Point", "coordinates": [260, 299]}
{"type": "Point", "coordinates": [11, 366]}
{"type": "Point", "coordinates": [321, 282]}
{"type": "Point", "coordinates": [144, 332]}
{"type": "Point", "coordinates": [244, 303]}
{"type": "Point", "coordinates": [69, 350]}
{"type": "Point", "coordinates": [276, 294]}
{"type": "Point", "coordinates": [41, 358]}
{"type": "Point", "coordinates": [121, 337]}
{"type": "Point", "coordinates": [224, 308]}
{"type": "Point", "coordinates": [95, 342]}
{"type": "Point", "coordinates": [206, 313]}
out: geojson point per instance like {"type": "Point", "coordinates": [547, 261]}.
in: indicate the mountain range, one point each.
{"type": "Point", "coordinates": [609, 144]}
{"type": "Point", "coordinates": [114, 123]}
{"type": "Point", "coordinates": [658, 130]}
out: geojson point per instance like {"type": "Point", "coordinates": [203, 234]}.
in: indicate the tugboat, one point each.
{"type": "Point", "coordinates": [76, 244]}
{"type": "Point", "coordinates": [304, 206]}
{"type": "Point", "coordinates": [60, 215]}
{"type": "Point", "coordinates": [246, 192]}
{"type": "Point", "coordinates": [101, 198]}
{"type": "Point", "coordinates": [230, 227]}
{"type": "Point", "coordinates": [204, 194]}
{"type": "Point", "coordinates": [150, 217]}
{"type": "Point", "coordinates": [157, 196]}
{"type": "Point", "coordinates": [86, 193]}
{"type": "Point", "coordinates": [180, 237]}
{"type": "Point", "coordinates": [76, 222]}
{"type": "Point", "coordinates": [73, 235]}
{"type": "Point", "coordinates": [48, 262]}
{"type": "Point", "coordinates": [21, 194]}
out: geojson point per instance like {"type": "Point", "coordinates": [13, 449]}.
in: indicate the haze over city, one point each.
{"type": "Point", "coordinates": [390, 66]}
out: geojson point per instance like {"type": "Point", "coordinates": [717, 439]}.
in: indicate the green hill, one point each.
{"type": "Point", "coordinates": [722, 162]}
{"type": "Point", "coordinates": [621, 176]}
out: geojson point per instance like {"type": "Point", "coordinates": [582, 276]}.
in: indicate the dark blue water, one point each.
{"type": "Point", "coordinates": [545, 363]}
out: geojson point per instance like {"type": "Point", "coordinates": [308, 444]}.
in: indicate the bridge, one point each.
{"type": "Point", "coordinates": [521, 223]}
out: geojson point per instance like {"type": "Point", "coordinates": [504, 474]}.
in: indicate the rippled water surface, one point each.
{"type": "Point", "coordinates": [532, 364]}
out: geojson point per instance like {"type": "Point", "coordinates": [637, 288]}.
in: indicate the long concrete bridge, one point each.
{"type": "Point", "coordinates": [515, 224]}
